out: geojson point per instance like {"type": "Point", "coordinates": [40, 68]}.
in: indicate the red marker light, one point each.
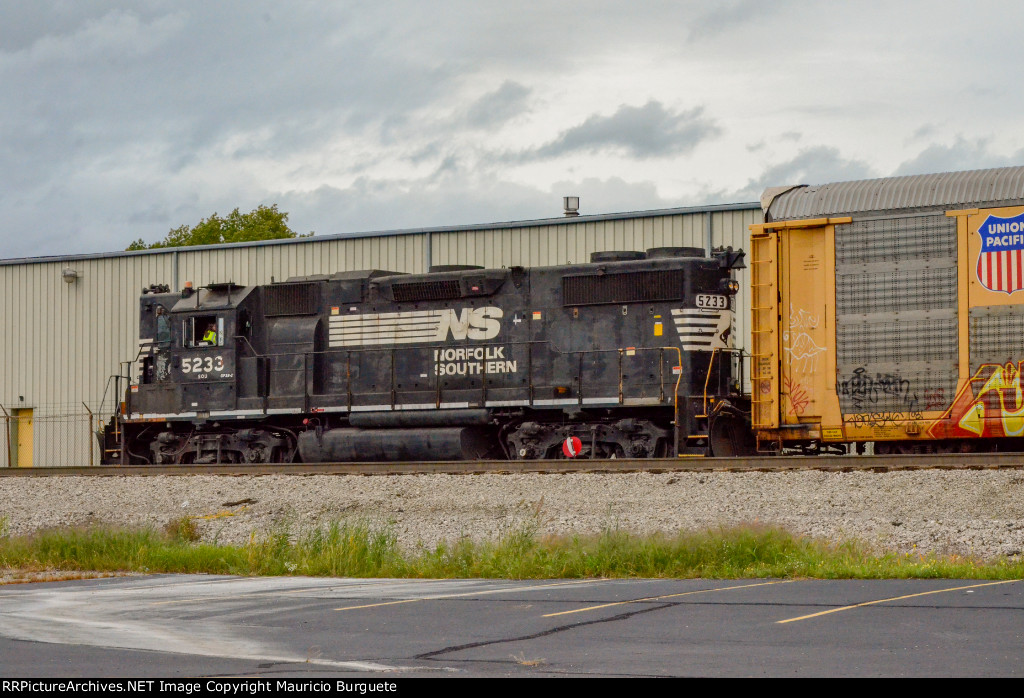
{"type": "Point", "coordinates": [572, 446]}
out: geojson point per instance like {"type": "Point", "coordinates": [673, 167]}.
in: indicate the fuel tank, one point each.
{"type": "Point", "coordinates": [345, 445]}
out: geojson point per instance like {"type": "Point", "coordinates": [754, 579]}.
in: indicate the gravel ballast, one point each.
{"type": "Point", "coordinates": [978, 513]}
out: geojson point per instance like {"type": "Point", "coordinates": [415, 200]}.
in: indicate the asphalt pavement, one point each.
{"type": "Point", "coordinates": [198, 625]}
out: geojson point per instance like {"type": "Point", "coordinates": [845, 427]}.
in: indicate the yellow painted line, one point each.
{"type": "Point", "coordinates": [667, 596]}
{"type": "Point", "coordinates": [471, 593]}
{"type": "Point", "coordinates": [895, 598]}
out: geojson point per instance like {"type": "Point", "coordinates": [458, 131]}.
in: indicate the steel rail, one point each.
{"type": "Point", "coordinates": [889, 463]}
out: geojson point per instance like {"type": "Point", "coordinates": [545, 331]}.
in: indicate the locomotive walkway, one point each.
{"type": "Point", "coordinates": [889, 463]}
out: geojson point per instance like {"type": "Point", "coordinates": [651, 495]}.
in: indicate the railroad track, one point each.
{"type": "Point", "coordinates": [969, 461]}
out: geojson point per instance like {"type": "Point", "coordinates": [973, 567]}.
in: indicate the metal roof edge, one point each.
{"type": "Point", "coordinates": [506, 225]}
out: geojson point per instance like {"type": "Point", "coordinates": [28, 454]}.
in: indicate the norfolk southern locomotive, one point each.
{"type": "Point", "coordinates": [627, 356]}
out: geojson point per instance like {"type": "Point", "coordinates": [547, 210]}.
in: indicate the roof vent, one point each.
{"type": "Point", "coordinates": [571, 204]}
{"type": "Point", "coordinates": [436, 268]}
{"type": "Point", "coordinates": [616, 256]}
{"type": "Point", "coordinates": [656, 252]}
{"type": "Point", "coordinates": [442, 290]}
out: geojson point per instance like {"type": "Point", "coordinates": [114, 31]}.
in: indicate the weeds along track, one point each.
{"type": "Point", "coordinates": [972, 461]}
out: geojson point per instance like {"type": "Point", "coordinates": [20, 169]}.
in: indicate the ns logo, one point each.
{"type": "Point", "coordinates": [474, 323]}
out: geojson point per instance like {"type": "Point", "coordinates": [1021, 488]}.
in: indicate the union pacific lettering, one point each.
{"type": "Point", "coordinates": [1002, 233]}
{"type": "Point", "coordinates": [1012, 242]}
{"type": "Point", "coordinates": [365, 329]}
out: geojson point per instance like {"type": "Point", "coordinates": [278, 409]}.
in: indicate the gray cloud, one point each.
{"type": "Point", "coordinates": [114, 114]}
{"type": "Point", "coordinates": [495, 108]}
{"type": "Point", "coordinates": [448, 199]}
{"type": "Point", "coordinates": [727, 16]}
{"type": "Point", "coordinates": [120, 119]}
{"type": "Point", "coordinates": [922, 132]}
{"type": "Point", "coordinates": [640, 132]}
{"type": "Point", "coordinates": [963, 154]}
{"type": "Point", "coordinates": [815, 165]}
{"type": "Point", "coordinates": [202, 74]}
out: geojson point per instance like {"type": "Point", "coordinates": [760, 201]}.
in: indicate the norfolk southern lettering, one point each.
{"type": "Point", "coordinates": [472, 361]}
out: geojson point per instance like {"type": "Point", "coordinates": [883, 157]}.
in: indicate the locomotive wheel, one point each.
{"type": "Point", "coordinates": [731, 437]}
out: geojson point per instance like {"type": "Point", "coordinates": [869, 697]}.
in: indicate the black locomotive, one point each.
{"type": "Point", "coordinates": [627, 356]}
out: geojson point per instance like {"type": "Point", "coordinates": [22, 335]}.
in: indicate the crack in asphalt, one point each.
{"type": "Point", "coordinates": [543, 633]}
{"type": "Point", "coordinates": [660, 606]}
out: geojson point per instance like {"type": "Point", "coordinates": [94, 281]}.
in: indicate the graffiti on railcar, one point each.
{"type": "Point", "coordinates": [799, 396]}
{"type": "Point", "coordinates": [991, 404]}
{"type": "Point", "coordinates": [882, 419]}
{"type": "Point", "coordinates": [802, 349]}
{"type": "Point", "coordinates": [935, 399]}
{"type": "Point", "coordinates": [865, 390]}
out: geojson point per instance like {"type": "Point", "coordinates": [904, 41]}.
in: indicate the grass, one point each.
{"type": "Point", "coordinates": [356, 549]}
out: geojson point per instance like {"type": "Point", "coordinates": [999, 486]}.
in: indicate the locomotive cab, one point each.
{"type": "Point", "coordinates": [187, 361]}
{"type": "Point", "coordinates": [186, 385]}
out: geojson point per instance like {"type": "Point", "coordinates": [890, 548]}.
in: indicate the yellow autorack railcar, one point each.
{"type": "Point", "coordinates": [890, 311]}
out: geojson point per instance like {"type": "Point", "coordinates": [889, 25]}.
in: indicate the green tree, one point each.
{"type": "Point", "coordinates": [262, 223]}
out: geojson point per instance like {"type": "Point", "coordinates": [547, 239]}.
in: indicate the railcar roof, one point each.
{"type": "Point", "coordinates": [992, 187]}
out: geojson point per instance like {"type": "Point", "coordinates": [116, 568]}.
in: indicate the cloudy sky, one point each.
{"type": "Point", "coordinates": [124, 119]}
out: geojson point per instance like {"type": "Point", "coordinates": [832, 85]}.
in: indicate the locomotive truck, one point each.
{"type": "Point", "coordinates": [629, 355]}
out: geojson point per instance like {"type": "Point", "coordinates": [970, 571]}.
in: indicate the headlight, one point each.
{"type": "Point", "coordinates": [729, 286]}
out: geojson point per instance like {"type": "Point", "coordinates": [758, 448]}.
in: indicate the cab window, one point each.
{"type": "Point", "coordinates": [163, 329]}
{"type": "Point", "coordinates": [204, 331]}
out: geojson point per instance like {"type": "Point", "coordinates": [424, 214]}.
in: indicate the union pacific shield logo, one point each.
{"type": "Point", "coordinates": [1001, 262]}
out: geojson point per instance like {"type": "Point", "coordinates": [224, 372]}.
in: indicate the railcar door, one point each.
{"type": "Point", "coordinates": [806, 328]}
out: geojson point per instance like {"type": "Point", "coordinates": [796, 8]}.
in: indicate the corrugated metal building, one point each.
{"type": "Point", "coordinates": [67, 324]}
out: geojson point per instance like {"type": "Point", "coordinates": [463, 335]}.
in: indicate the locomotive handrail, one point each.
{"type": "Point", "coordinates": [305, 382]}
{"type": "Point", "coordinates": [307, 394]}
{"type": "Point", "coordinates": [707, 380]}
{"type": "Point", "coordinates": [484, 374]}
{"type": "Point", "coordinates": [251, 347]}
{"type": "Point", "coordinates": [310, 397]}
{"type": "Point", "coordinates": [489, 344]}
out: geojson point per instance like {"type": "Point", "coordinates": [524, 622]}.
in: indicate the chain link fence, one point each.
{"type": "Point", "coordinates": [58, 435]}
